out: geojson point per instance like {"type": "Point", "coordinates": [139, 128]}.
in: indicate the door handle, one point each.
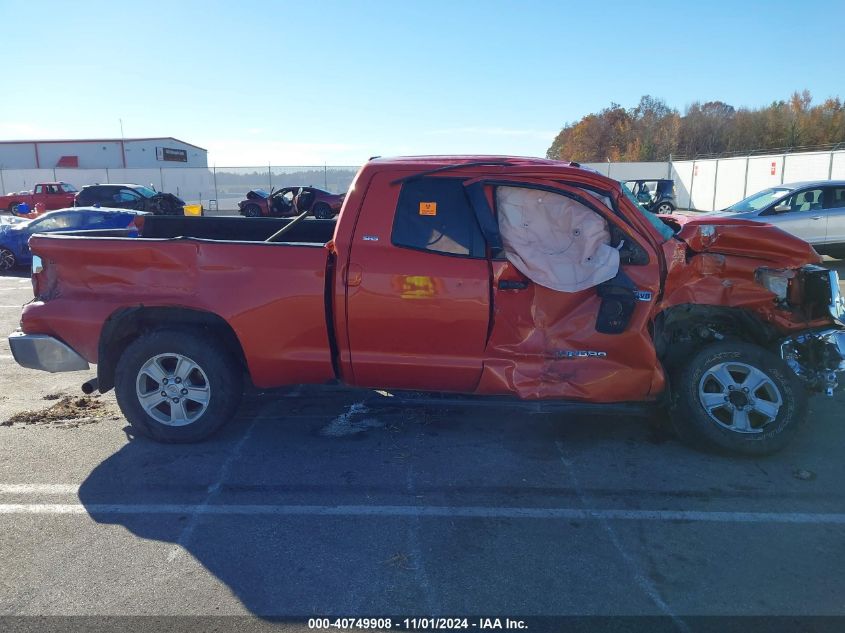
{"type": "Point", "coordinates": [512, 284]}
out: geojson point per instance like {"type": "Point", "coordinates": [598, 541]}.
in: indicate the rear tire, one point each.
{"type": "Point", "coordinates": [252, 211]}
{"type": "Point", "coordinates": [176, 386]}
{"type": "Point", "coordinates": [737, 397]}
{"type": "Point", "coordinates": [665, 208]}
{"type": "Point", "coordinates": [322, 211]}
{"type": "Point", "coordinates": [7, 260]}
{"type": "Point", "coordinates": [13, 208]}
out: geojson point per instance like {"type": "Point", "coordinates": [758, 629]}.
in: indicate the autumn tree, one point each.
{"type": "Point", "coordinates": [652, 130]}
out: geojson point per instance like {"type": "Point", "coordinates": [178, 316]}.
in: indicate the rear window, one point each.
{"type": "Point", "coordinates": [434, 214]}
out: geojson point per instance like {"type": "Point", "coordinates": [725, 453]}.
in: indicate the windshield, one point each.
{"type": "Point", "coordinates": [144, 191]}
{"type": "Point", "coordinates": [759, 200]}
{"type": "Point", "coordinates": [68, 188]}
{"type": "Point", "coordinates": [664, 230]}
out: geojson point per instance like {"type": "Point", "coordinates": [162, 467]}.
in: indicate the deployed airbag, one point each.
{"type": "Point", "coordinates": [555, 241]}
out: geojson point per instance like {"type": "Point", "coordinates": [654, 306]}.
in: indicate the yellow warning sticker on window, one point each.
{"type": "Point", "coordinates": [428, 208]}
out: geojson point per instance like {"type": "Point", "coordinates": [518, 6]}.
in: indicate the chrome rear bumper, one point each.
{"type": "Point", "coordinates": [40, 351]}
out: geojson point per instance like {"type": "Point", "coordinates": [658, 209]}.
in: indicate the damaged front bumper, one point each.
{"type": "Point", "coordinates": [818, 357]}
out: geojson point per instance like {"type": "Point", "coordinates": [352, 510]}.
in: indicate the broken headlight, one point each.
{"type": "Point", "coordinates": [775, 281]}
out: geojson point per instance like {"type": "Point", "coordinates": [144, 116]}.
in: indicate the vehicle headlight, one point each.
{"type": "Point", "coordinates": [776, 281]}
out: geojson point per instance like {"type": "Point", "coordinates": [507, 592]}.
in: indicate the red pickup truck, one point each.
{"type": "Point", "coordinates": [53, 195]}
{"type": "Point", "coordinates": [526, 281]}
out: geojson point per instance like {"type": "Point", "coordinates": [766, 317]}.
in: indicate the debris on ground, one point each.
{"type": "Point", "coordinates": [399, 560]}
{"type": "Point", "coordinates": [68, 412]}
{"type": "Point", "coordinates": [803, 475]}
{"type": "Point", "coordinates": [351, 422]}
{"type": "Point", "coordinates": [52, 396]}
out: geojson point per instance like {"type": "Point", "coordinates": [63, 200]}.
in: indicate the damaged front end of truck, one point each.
{"type": "Point", "coordinates": [731, 277]}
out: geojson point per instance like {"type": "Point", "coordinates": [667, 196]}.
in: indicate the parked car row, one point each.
{"type": "Point", "coordinates": [49, 196]}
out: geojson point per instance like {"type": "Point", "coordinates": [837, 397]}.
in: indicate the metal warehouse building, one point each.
{"type": "Point", "coordinates": [110, 153]}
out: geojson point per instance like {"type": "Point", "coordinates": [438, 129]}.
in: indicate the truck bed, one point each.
{"type": "Point", "coordinates": [238, 229]}
{"type": "Point", "coordinates": [272, 295]}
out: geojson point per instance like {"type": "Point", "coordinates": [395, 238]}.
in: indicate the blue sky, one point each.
{"type": "Point", "coordinates": [336, 82]}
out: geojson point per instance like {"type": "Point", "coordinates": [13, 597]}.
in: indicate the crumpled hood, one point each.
{"type": "Point", "coordinates": [727, 235]}
{"type": "Point", "coordinates": [257, 194]}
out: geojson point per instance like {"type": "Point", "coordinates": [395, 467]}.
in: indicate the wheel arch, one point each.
{"type": "Point", "coordinates": [126, 324]}
{"type": "Point", "coordinates": [683, 329]}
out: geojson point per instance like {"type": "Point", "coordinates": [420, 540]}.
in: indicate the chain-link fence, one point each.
{"type": "Point", "coordinates": [216, 188]}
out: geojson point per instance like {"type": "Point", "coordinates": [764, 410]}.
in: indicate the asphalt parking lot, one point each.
{"type": "Point", "coordinates": [312, 503]}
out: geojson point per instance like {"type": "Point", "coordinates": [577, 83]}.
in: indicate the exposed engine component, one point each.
{"type": "Point", "coordinates": [816, 357]}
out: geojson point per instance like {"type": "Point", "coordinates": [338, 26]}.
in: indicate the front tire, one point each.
{"type": "Point", "coordinates": [737, 397]}
{"type": "Point", "coordinates": [252, 211]}
{"type": "Point", "coordinates": [322, 211]}
{"type": "Point", "coordinates": [665, 208]}
{"type": "Point", "coordinates": [176, 386]}
{"type": "Point", "coordinates": [7, 260]}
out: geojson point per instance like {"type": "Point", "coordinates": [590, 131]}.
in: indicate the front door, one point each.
{"type": "Point", "coordinates": [418, 288]}
{"type": "Point", "coordinates": [544, 341]}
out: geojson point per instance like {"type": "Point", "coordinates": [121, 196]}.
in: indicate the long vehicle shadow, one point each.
{"type": "Point", "coordinates": [299, 506]}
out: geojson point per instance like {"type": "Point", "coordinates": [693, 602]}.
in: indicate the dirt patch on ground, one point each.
{"type": "Point", "coordinates": [68, 412]}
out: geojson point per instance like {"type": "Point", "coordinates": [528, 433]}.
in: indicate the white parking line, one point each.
{"type": "Point", "coordinates": [48, 489]}
{"type": "Point", "coordinates": [473, 512]}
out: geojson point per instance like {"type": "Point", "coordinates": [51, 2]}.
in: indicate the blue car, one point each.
{"type": "Point", "coordinates": [14, 238]}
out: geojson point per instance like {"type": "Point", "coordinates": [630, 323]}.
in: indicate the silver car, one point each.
{"type": "Point", "coordinates": [813, 211]}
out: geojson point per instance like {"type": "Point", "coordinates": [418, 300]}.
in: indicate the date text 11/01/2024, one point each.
{"type": "Point", "coordinates": [411, 624]}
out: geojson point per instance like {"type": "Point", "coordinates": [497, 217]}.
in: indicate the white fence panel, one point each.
{"type": "Point", "coordinates": [682, 175]}
{"type": "Point", "coordinates": [18, 180]}
{"type": "Point", "coordinates": [703, 181]}
{"type": "Point", "coordinates": [193, 185]}
{"type": "Point", "coordinates": [144, 177]}
{"type": "Point", "coordinates": [763, 172]}
{"type": "Point", "coordinates": [730, 181]}
{"type": "Point", "coordinates": [800, 167]}
{"type": "Point", "coordinates": [838, 170]}
{"type": "Point", "coordinates": [636, 171]}
{"type": "Point", "coordinates": [81, 177]}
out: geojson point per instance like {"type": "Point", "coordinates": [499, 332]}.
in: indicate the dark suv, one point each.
{"type": "Point", "coordinates": [135, 197]}
{"type": "Point", "coordinates": [658, 196]}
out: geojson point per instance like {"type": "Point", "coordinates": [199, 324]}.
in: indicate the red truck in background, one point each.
{"type": "Point", "coordinates": [53, 195]}
{"type": "Point", "coordinates": [729, 324]}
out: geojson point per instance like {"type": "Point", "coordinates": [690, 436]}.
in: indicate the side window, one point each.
{"type": "Point", "coordinates": [59, 222]}
{"type": "Point", "coordinates": [125, 195]}
{"type": "Point", "coordinates": [434, 214]}
{"type": "Point", "coordinates": [39, 189]}
{"type": "Point", "coordinates": [52, 189]}
{"type": "Point", "coordinates": [810, 200]}
{"type": "Point", "coordinates": [835, 198]}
